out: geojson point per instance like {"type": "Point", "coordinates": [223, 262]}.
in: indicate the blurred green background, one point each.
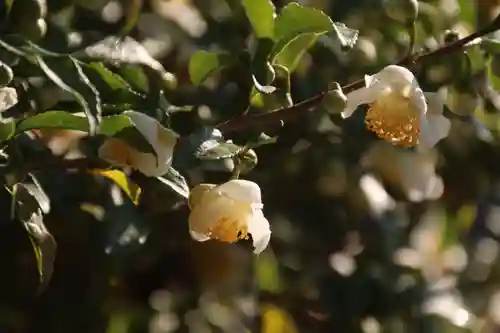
{"type": "Point", "coordinates": [352, 249]}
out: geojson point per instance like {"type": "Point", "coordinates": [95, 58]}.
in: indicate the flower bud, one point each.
{"type": "Point", "coordinates": [402, 11]}
{"type": "Point", "coordinates": [335, 100]}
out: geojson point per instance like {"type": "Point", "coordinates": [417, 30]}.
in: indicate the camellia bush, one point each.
{"type": "Point", "coordinates": [249, 166]}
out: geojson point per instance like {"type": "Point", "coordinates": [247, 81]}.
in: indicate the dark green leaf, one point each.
{"type": "Point", "coordinates": [53, 119]}
{"type": "Point", "coordinates": [203, 63]}
{"type": "Point", "coordinates": [261, 15]}
{"type": "Point", "coordinates": [176, 182]}
{"type": "Point", "coordinates": [135, 76]}
{"type": "Point", "coordinates": [112, 86]}
{"type": "Point", "coordinates": [67, 73]}
{"type": "Point", "coordinates": [31, 201]}
{"type": "Point", "coordinates": [188, 148]}
{"type": "Point", "coordinates": [218, 151]}
{"type": "Point", "coordinates": [7, 129]}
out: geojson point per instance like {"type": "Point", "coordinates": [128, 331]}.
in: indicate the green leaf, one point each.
{"type": "Point", "coordinates": [298, 27]}
{"type": "Point", "coordinates": [203, 64]}
{"type": "Point", "coordinates": [261, 15]}
{"type": "Point", "coordinates": [291, 54]}
{"type": "Point", "coordinates": [132, 16]}
{"type": "Point", "coordinates": [31, 201]}
{"type": "Point", "coordinates": [112, 86]}
{"type": "Point", "coordinates": [7, 129]}
{"type": "Point", "coordinates": [121, 127]}
{"type": "Point", "coordinates": [67, 73]}
{"type": "Point", "coordinates": [490, 45]}
{"type": "Point", "coordinates": [53, 119]}
{"type": "Point", "coordinates": [131, 189]}
{"type": "Point", "coordinates": [135, 76]}
{"type": "Point", "coordinates": [218, 151]}
{"type": "Point", "coordinates": [176, 182]}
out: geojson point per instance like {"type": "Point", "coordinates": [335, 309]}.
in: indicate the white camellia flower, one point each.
{"type": "Point", "coordinates": [229, 212]}
{"type": "Point", "coordinates": [163, 140]}
{"type": "Point", "coordinates": [412, 171]}
{"type": "Point", "coordinates": [8, 98]}
{"type": "Point", "coordinates": [399, 111]}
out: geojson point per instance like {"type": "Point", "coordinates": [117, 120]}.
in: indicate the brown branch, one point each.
{"type": "Point", "coordinates": [245, 121]}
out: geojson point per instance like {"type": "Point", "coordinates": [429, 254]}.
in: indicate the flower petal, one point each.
{"type": "Point", "coordinates": [116, 152]}
{"type": "Point", "coordinates": [359, 97]}
{"type": "Point", "coordinates": [395, 75]}
{"type": "Point", "coordinates": [147, 164]}
{"type": "Point", "coordinates": [436, 128]}
{"type": "Point", "coordinates": [162, 139]}
{"type": "Point", "coordinates": [8, 98]}
{"type": "Point", "coordinates": [258, 227]}
{"type": "Point", "coordinates": [214, 207]}
{"type": "Point", "coordinates": [197, 192]}
{"type": "Point", "coordinates": [242, 190]}
{"type": "Point", "coordinates": [435, 102]}
{"type": "Point", "coordinates": [199, 237]}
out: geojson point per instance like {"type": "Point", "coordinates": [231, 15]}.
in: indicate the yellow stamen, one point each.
{"type": "Point", "coordinates": [394, 118]}
{"type": "Point", "coordinates": [228, 230]}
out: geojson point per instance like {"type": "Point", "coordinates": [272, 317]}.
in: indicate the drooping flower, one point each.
{"type": "Point", "coordinates": [414, 172]}
{"type": "Point", "coordinates": [163, 140]}
{"type": "Point", "coordinates": [228, 213]}
{"type": "Point", "coordinates": [398, 110]}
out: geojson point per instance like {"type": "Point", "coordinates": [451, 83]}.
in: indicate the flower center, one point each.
{"type": "Point", "coordinates": [228, 230]}
{"type": "Point", "coordinates": [395, 119]}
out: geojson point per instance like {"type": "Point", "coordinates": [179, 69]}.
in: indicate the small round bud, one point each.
{"type": "Point", "coordinates": [335, 100]}
{"type": "Point", "coordinates": [450, 36]}
{"type": "Point", "coordinates": [248, 161]}
{"type": "Point", "coordinates": [169, 81]}
{"type": "Point", "coordinates": [402, 11]}
{"type": "Point", "coordinates": [6, 74]}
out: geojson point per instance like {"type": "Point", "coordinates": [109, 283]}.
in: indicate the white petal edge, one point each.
{"type": "Point", "coordinates": [242, 190]}
{"type": "Point", "coordinates": [434, 129]}
{"type": "Point", "coordinates": [199, 237]}
{"type": "Point", "coordinates": [358, 97]}
{"type": "Point", "coordinates": [258, 227]}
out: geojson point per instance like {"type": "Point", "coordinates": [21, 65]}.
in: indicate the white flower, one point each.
{"type": "Point", "coordinates": [399, 111]}
{"type": "Point", "coordinates": [412, 171]}
{"type": "Point", "coordinates": [229, 212]}
{"type": "Point", "coordinates": [163, 140]}
{"type": "Point", "coordinates": [8, 98]}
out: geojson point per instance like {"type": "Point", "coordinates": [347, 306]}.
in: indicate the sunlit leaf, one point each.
{"type": "Point", "coordinates": [298, 27]}
{"type": "Point", "coordinates": [176, 182]}
{"type": "Point", "coordinates": [131, 189]}
{"type": "Point", "coordinates": [261, 15]}
{"type": "Point", "coordinates": [219, 151]}
{"type": "Point", "coordinates": [54, 119]}
{"type": "Point", "coordinates": [203, 64]}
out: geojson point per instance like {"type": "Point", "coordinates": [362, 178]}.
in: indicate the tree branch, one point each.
{"type": "Point", "coordinates": [245, 121]}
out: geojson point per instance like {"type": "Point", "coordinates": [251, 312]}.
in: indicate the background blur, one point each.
{"type": "Point", "coordinates": [352, 250]}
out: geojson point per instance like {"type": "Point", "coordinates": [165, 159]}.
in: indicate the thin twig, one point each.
{"type": "Point", "coordinates": [246, 121]}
